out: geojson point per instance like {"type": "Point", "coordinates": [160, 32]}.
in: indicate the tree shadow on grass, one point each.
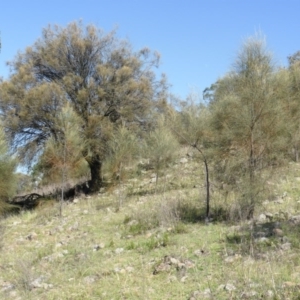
{"type": "Point", "coordinates": [255, 240]}
{"type": "Point", "coordinates": [195, 214]}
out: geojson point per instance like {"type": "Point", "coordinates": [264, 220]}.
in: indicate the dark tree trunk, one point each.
{"type": "Point", "coordinates": [95, 183]}
{"type": "Point", "coordinates": [207, 183]}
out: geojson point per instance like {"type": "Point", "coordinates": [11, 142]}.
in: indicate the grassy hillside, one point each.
{"type": "Point", "coordinates": [138, 241]}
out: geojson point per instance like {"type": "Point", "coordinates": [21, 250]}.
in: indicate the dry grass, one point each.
{"type": "Point", "coordinates": [101, 250]}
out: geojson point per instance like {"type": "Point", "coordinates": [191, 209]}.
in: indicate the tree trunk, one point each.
{"type": "Point", "coordinates": [207, 191]}
{"type": "Point", "coordinates": [95, 165]}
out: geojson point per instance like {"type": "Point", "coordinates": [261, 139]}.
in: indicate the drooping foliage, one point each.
{"type": "Point", "coordinates": [100, 76]}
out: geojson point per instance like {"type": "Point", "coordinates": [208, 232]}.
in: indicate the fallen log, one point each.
{"type": "Point", "coordinates": [28, 201]}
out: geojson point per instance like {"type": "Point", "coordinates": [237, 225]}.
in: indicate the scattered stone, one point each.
{"type": "Point", "coordinates": [183, 160]}
{"type": "Point", "coordinates": [206, 294]}
{"type": "Point", "coordinates": [119, 250]}
{"type": "Point", "coordinates": [132, 222]}
{"type": "Point", "coordinates": [188, 263]}
{"type": "Point", "coordinates": [174, 261]}
{"type": "Point", "coordinates": [74, 227]}
{"type": "Point", "coordinates": [85, 212]}
{"type": "Point", "coordinates": [117, 270]}
{"type": "Point", "coordinates": [181, 265]}
{"type": "Point", "coordinates": [262, 218]}
{"type": "Point", "coordinates": [98, 247]}
{"type": "Point", "coordinates": [195, 295]}
{"type": "Point", "coordinates": [262, 240]}
{"type": "Point", "coordinates": [285, 246]}
{"type": "Point", "coordinates": [55, 256]}
{"type": "Point", "coordinates": [199, 252]}
{"type": "Point", "coordinates": [153, 180]}
{"type": "Point", "coordinates": [183, 279]}
{"type": "Point", "coordinates": [250, 294]}
{"type": "Point", "coordinates": [284, 240]}
{"type": "Point", "coordinates": [231, 259]}
{"type": "Point", "coordinates": [76, 200]}
{"type": "Point", "coordinates": [278, 232]}
{"type": "Point", "coordinates": [227, 287]}
{"type": "Point", "coordinates": [38, 282]}
{"type": "Point", "coordinates": [269, 216]}
{"type": "Point", "coordinates": [260, 234]}
{"type": "Point", "coordinates": [172, 278]}
{"type": "Point", "coordinates": [295, 220]}
{"type": "Point", "coordinates": [123, 270]}
{"type": "Point", "coordinates": [148, 235]}
{"type": "Point", "coordinates": [31, 236]}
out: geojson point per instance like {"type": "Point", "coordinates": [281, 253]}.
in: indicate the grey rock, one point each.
{"type": "Point", "coordinates": [119, 250]}
{"type": "Point", "coordinates": [285, 246]}
{"type": "Point", "coordinates": [98, 247]}
{"type": "Point", "coordinates": [262, 240]}
{"type": "Point", "coordinates": [262, 218]}
{"type": "Point", "coordinates": [183, 160]}
{"type": "Point", "coordinates": [295, 220]}
{"type": "Point", "coordinates": [269, 216]}
{"type": "Point", "coordinates": [249, 294]}
{"type": "Point", "coordinates": [227, 287]}
{"type": "Point", "coordinates": [278, 232]}
{"type": "Point", "coordinates": [153, 180]}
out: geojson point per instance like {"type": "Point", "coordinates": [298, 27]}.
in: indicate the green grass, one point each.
{"type": "Point", "coordinates": [101, 250]}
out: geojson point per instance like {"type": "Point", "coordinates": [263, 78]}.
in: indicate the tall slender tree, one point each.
{"type": "Point", "coordinates": [100, 76]}
{"type": "Point", "coordinates": [246, 119]}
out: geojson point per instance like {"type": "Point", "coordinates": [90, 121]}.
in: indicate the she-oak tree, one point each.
{"type": "Point", "coordinates": [104, 80]}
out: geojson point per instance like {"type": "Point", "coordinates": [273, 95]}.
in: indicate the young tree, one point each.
{"type": "Point", "coordinates": [8, 180]}
{"type": "Point", "coordinates": [101, 77]}
{"type": "Point", "coordinates": [291, 103]}
{"type": "Point", "coordinates": [160, 146]}
{"type": "Point", "coordinates": [62, 156]}
{"type": "Point", "coordinates": [246, 117]}
{"type": "Point", "coordinates": [192, 127]}
{"type": "Point", "coordinates": [123, 148]}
